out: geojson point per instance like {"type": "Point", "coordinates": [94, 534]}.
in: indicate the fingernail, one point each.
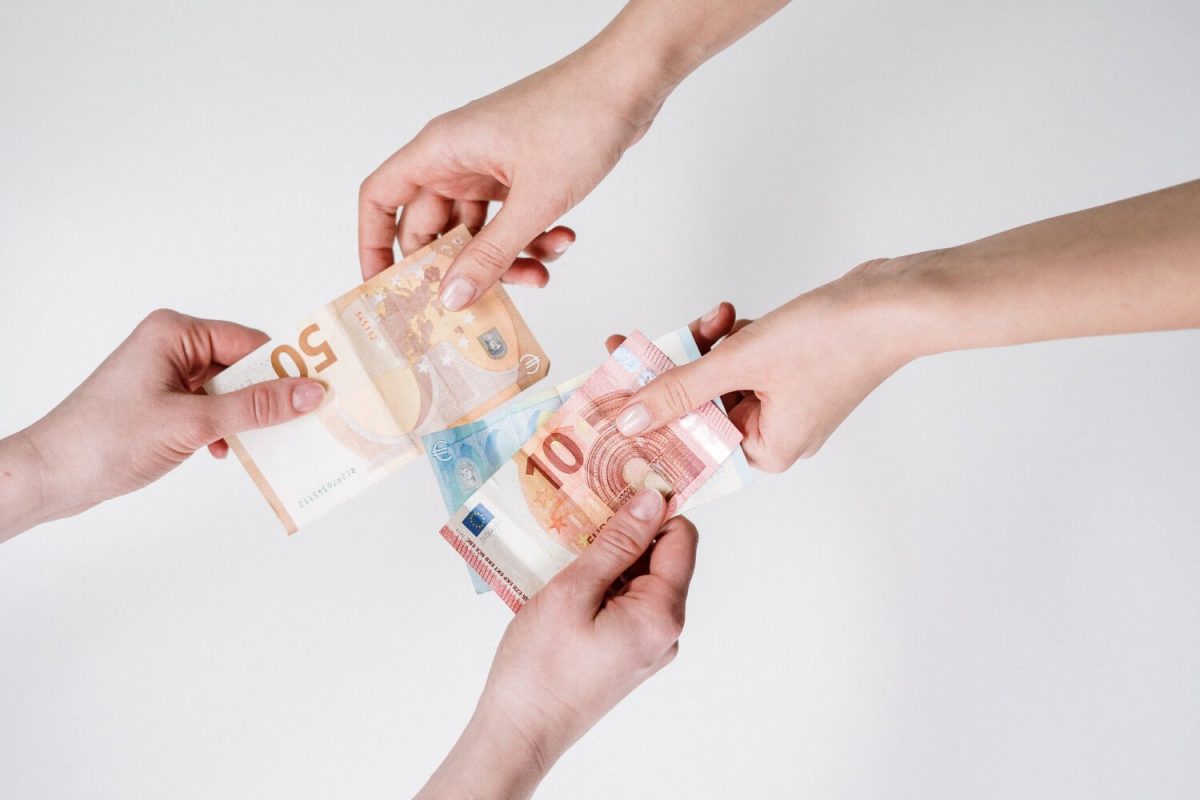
{"type": "Point", "coordinates": [457, 294]}
{"type": "Point", "coordinates": [633, 420]}
{"type": "Point", "coordinates": [562, 246]}
{"type": "Point", "coordinates": [307, 396]}
{"type": "Point", "coordinates": [646, 504]}
{"type": "Point", "coordinates": [712, 315]}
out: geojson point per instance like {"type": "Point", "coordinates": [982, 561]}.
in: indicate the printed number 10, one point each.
{"type": "Point", "coordinates": [552, 455]}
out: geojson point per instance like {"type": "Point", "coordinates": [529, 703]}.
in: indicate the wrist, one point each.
{"type": "Point", "coordinates": [633, 73]}
{"type": "Point", "coordinates": [906, 303]}
{"type": "Point", "coordinates": [23, 493]}
{"type": "Point", "coordinates": [495, 757]}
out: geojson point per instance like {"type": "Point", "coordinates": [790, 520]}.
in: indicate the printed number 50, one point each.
{"type": "Point", "coordinates": [309, 347]}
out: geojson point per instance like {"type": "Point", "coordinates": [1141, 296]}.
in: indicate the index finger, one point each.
{"type": "Point", "coordinates": [379, 198]}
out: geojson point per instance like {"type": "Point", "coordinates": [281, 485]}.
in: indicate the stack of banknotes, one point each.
{"type": "Point", "coordinates": [528, 485]}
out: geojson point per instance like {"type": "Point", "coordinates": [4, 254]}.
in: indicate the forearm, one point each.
{"type": "Point", "coordinates": [652, 45]}
{"type": "Point", "coordinates": [492, 759]}
{"type": "Point", "coordinates": [1126, 267]}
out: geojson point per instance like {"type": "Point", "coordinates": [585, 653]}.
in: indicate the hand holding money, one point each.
{"type": "Point", "coordinates": [396, 365]}
{"type": "Point", "coordinates": [598, 630]}
{"type": "Point", "coordinates": [137, 417]}
{"type": "Point", "coordinates": [546, 505]}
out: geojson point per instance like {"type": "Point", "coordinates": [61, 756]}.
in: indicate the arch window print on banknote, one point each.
{"type": "Point", "coordinates": [396, 365]}
{"type": "Point", "coordinates": [464, 457]}
{"type": "Point", "coordinates": [545, 504]}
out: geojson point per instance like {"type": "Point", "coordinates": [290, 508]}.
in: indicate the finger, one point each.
{"type": "Point", "coordinates": [471, 213]}
{"type": "Point", "coordinates": [219, 448]}
{"type": "Point", "coordinates": [709, 329]}
{"type": "Point", "coordinates": [617, 547]}
{"type": "Point", "coordinates": [383, 192]}
{"type": "Point", "coordinates": [424, 218]}
{"type": "Point", "coordinates": [492, 252]}
{"type": "Point", "coordinates": [613, 342]}
{"type": "Point", "coordinates": [747, 418]}
{"type": "Point", "coordinates": [229, 342]}
{"type": "Point", "coordinates": [673, 557]}
{"type": "Point", "coordinates": [678, 392]}
{"type": "Point", "coordinates": [551, 244]}
{"type": "Point", "coordinates": [258, 406]}
{"type": "Point", "coordinates": [527, 272]}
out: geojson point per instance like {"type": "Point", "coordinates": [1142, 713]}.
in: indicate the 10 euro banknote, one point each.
{"type": "Point", "coordinates": [546, 504]}
{"type": "Point", "coordinates": [396, 365]}
{"type": "Point", "coordinates": [464, 457]}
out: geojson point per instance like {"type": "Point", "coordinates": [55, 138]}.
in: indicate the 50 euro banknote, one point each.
{"type": "Point", "coordinates": [547, 503]}
{"type": "Point", "coordinates": [396, 365]}
{"type": "Point", "coordinates": [464, 457]}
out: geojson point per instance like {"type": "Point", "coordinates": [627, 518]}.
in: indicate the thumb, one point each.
{"type": "Point", "coordinates": [267, 403]}
{"type": "Point", "coordinates": [618, 546]}
{"type": "Point", "coordinates": [680, 391]}
{"type": "Point", "coordinates": [492, 252]}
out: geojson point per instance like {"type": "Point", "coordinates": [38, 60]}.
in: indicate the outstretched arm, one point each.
{"type": "Point", "coordinates": [600, 628]}
{"type": "Point", "coordinates": [791, 377]}
{"type": "Point", "coordinates": [540, 145]}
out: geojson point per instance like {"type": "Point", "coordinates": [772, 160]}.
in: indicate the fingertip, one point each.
{"type": "Point", "coordinates": [307, 395]}
{"type": "Point", "coordinates": [613, 342]}
{"type": "Point", "coordinates": [527, 272]}
{"type": "Point", "coordinates": [646, 505]}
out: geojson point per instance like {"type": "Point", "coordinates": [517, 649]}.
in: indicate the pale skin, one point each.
{"type": "Point", "coordinates": [790, 378]}
{"type": "Point", "coordinates": [138, 416]}
{"type": "Point", "coordinates": [597, 631]}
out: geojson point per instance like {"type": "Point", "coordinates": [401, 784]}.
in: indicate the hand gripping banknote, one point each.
{"type": "Point", "coordinates": [466, 456]}
{"type": "Point", "coordinates": [549, 501]}
{"type": "Point", "coordinates": [396, 365]}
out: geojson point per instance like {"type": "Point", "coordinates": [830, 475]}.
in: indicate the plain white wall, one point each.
{"type": "Point", "coordinates": [986, 585]}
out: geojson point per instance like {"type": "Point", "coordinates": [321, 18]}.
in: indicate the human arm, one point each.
{"type": "Point", "coordinates": [599, 629]}
{"type": "Point", "coordinates": [791, 377]}
{"type": "Point", "coordinates": [540, 145]}
{"type": "Point", "coordinates": [140, 414]}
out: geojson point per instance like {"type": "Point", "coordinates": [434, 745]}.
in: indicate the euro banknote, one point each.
{"type": "Point", "coordinates": [466, 456]}
{"type": "Point", "coordinates": [546, 504]}
{"type": "Point", "coordinates": [396, 365]}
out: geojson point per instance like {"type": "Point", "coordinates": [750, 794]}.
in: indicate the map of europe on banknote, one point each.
{"type": "Point", "coordinates": [546, 504]}
{"type": "Point", "coordinates": [466, 456]}
{"type": "Point", "coordinates": [396, 365]}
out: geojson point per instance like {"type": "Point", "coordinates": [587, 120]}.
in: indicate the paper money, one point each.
{"type": "Point", "coordinates": [396, 365]}
{"type": "Point", "coordinates": [464, 457]}
{"type": "Point", "coordinates": [547, 503]}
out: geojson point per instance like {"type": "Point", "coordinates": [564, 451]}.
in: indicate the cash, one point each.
{"type": "Point", "coordinates": [396, 365]}
{"type": "Point", "coordinates": [464, 457]}
{"type": "Point", "coordinates": [542, 507]}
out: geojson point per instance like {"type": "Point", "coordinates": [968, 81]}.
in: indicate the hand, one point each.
{"type": "Point", "coordinates": [539, 146]}
{"type": "Point", "coordinates": [600, 628]}
{"type": "Point", "coordinates": [141, 413]}
{"type": "Point", "coordinates": [790, 378]}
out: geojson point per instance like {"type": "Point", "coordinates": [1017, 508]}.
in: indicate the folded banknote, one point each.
{"type": "Point", "coordinates": [466, 456]}
{"type": "Point", "coordinates": [542, 507]}
{"type": "Point", "coordinates": [396, 365]}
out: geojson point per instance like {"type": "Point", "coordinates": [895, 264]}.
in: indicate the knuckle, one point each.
{"type": "Point", "coordinates": [264, 406]}
{"type": "Point", "coordinates": [622, 543]}
{"type": "Point", "coordinates": [160, 319]}
{"type": "Point", "coordinates": [486, 259]}
{"type": "Point", "coordinates": [676, 396]}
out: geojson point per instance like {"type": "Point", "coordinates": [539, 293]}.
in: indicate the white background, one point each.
{"type": "Point", "coordinates": [986, 585]}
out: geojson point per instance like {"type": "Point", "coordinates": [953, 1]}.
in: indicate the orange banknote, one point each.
{"type": "Point", "coordinates": [396, 365]}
